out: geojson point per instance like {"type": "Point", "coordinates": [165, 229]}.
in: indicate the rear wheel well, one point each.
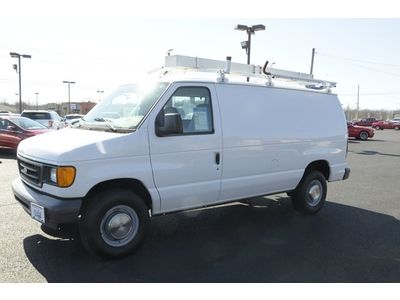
{"type": "Point", "coordinates": [319, 165]}
{"type": "Point", "coordinates": [133, 185]}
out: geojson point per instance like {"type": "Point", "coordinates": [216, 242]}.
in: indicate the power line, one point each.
{"type": "Point", "coordinates": [358, 60]}
{"type": "Point", "coordinates": [365, 67]}
{"type": "Point", "coordinates": [373, 94]}
{"type": "Point", "coordinates": [47, 84]}
{"type": "Point", "coordinates": [96, 60]}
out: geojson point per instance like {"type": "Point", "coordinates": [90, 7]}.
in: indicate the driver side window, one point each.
{"type": "Point", "coordinates": [193, 104]}
{"type": "Point", "coordinates": [4, 124]}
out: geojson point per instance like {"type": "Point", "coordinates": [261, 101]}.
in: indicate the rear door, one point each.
{"type": "Point", "coordinates": [187, 167]}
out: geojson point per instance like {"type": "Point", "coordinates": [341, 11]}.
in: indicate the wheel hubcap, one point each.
{"type": "Point", "coordinates": [119, 226]}
{"type": "Point", "coordinates": [314, 193]}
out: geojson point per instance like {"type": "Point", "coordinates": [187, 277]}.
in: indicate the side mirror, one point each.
{"type": "Point", "coordinates": [168, 124]}
{"type": "Point", "coordinates": [11, 128]}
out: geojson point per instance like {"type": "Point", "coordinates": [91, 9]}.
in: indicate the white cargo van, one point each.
{"type": "Point", "coordinates": [183, 141]}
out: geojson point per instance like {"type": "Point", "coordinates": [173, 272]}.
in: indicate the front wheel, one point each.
{"type": "Point", "coordinates": [309, 196]}
{"type": "Point", "coordinates": [113, 223]}
{"type": "Point", "coordinates": [378, 127]}
{"type": "Point", "coordinates": [364, 135]}
{"type": "Point", "coordinates": [396, 127]}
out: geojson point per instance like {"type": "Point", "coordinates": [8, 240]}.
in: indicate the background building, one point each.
{"type": "Point", "coordinates": [76, 107]}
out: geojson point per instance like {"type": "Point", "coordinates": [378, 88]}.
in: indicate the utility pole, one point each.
{"type": "Point", "coordinates": [69, 94]}
{"type": "Point", "coordinates": [358, 100]}
{"type": "Point", "coordinates": [18, 70]}
{"type": "Point", "coordinates": [312, 62]}
{"type": "Point", "coordinates": [37, 102]}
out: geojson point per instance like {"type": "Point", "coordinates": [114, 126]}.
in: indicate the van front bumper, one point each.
{"type": "Point", "coordinates": [57, 210]}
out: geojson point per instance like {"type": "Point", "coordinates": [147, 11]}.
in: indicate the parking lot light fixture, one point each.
{"type": "Point", "coordinates": [247, 44]}
{"type": "Point", "coordinates": [18, 69]}
{"type": "Point", "coordinates": [100, 92]}
{"type": "Point", "coordinates": [69, 94]}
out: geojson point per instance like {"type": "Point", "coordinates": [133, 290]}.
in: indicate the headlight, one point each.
{"type": "Point", "coordinates": [53, 175]}
{"type": "Point", "coordinates": [62, 176]}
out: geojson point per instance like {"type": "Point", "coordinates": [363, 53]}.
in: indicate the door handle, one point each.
{"type": "Point", "coordinates": [217, 158]}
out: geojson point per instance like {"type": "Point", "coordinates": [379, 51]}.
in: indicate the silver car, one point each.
{"type": "Point", "coordinates": [50, 118]}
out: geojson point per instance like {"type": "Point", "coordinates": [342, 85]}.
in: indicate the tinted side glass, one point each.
{"type": "Point", "coordinates": [36, 115]}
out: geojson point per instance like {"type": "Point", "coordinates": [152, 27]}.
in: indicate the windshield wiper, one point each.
{"type": "Point", "coordinates": [108, 123]}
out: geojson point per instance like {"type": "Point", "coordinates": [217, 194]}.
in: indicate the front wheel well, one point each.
{"type": "Point", "coordinates": [131, 184]}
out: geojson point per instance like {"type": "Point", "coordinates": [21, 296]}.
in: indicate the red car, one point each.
{"type": "Point", "coordinates": [358, 132]}
{"type": "Point", "coordinates": [15, 129]}
{"type": "Point", "coordinates": [386, 125]}
{"type": "Point", "coordinates": [365, 122]}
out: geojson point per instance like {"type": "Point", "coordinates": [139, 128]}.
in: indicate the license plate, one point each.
{"type": "Point", "coordinates": [37, 212]}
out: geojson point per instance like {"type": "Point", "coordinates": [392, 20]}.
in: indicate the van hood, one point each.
{"type": "Point", "coordinates": [71, 145]}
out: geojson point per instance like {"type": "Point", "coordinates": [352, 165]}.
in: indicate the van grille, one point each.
{"type": "Point", "coordinates": [30, 171]}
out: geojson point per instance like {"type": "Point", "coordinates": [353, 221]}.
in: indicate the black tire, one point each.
{"type": "Point", "coordinates": [378, 128]}
{"type": "Point", "coordinates": [363, 135]}
{"type": "Point", "coordinates": [396, 127]}
{"type": "Point", "coordinates": [113, 223]}
{"type": "Point", "coordinates": [310, 194]}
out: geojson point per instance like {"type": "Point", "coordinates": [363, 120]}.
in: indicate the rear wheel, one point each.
{"type": "Point", "coordinates": [113, 223]}
{"type": "Point", "coordinates": [396, 127]}
{"type": "Point", "coordinates": [363, 135]}
{"type": "Point", "coordinates": [310, 194]}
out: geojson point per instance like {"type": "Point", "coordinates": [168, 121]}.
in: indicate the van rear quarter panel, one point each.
{"type": "Point", "coordinates": [270, 135]}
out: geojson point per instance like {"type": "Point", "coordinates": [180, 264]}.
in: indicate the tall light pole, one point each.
{"type": "Point", "coordinates": [358, 100]}
{"type": "Point", "coordinates": [250, 31]}
{"type": "Point", "coordinates": [69, 94]}
{"type": "Point", "coordinates": [100, 94]}
{"type": "Point", "coordinates": [312, 62]}
{"type": "Point", "coordinates": [37, 101]}
{"type": "Point", "coordinates": [18, 70]}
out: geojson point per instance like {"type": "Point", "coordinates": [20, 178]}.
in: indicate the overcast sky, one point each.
{"type": "Point", "coordinates": [100, 46]}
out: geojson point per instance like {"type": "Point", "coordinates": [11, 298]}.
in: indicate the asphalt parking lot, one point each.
{"type": "Point", "coordinates": [355, 238]}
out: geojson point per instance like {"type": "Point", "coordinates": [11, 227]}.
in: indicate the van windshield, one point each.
{"type": "Point", "coordinates": [125, 108]}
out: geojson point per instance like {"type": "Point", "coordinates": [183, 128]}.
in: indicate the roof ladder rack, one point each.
{"type": "Point", "coordinates": [227, 67]}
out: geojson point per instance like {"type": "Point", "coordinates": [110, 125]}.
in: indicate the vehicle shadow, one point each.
{"type": "Point", "coordinates": [259, 240]}
{"type": "Point", "coordinates": [8, 154]}
{"type": "Point", "coordinates": [375, 140]}
{"type": "Point", "coordinates": [370, 152]}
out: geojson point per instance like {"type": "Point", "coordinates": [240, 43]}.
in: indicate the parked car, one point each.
{"type": "Point", "coordinates": [71, 119]}
{"type": "Point", "coordinates": [365, 122]}
{"type": "Point", "coordinates": [8, 113]}
{"type": "Point", "coordinates": [50, 118]}
{"type": "Point", "coordinates": [359, 132]}
{"type": "Point", "coordinates": [380, 125]}
{"type": "Point", "coordinates": [179, 144]}
{"type": "Point", "coordinates": [15, 129]}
